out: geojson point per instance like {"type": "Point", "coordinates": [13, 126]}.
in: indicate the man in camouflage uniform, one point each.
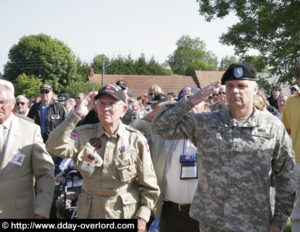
{"type": "Point", "coordinates": [238, 148]}
{"type": "Point", "coordinates": [114, 160]}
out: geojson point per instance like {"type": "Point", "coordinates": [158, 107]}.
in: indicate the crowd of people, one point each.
{"type": "Point", "coordinates": [220, 158]}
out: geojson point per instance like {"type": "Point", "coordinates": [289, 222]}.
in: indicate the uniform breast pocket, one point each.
{"type": "Point", "coordinates": [126, 165]}
{"type": "Point", "coordinates": [88, 161]}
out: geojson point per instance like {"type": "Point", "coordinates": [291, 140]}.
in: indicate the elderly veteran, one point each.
{"type": "Point", "coordinates": [238, 148]}
{"type": "Point", "coordinates": [26, 168]}
{"type": "Point", "coordinates": [114, 160]}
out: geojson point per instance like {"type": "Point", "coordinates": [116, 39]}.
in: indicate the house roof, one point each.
{"type": "Point", "coordinates": [207, 77]}
{"type": "Point", "coordinates": [139, 84]}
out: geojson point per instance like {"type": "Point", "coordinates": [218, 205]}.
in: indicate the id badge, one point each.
{"type": "Point", "coordinates": [17, 158]}
{"type": "Point", "coordinates": [88, 167]}
{"type": "Point", "coordinates": [189, 172]}
{"type": "Point", "coordinates": [189, 168]}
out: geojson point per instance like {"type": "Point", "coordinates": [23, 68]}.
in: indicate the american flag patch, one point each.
{"type": "Point", "coordinates": [74, 135]}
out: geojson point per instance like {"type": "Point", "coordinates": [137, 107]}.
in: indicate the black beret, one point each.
{"type": "Point", "coordinates": [242, 71]}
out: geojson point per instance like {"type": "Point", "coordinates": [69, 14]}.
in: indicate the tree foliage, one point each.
{"type": "Point", "coordinates": [258, 62]}
{"type": "Point", "coordinates": [82, 70]}
{"type": "Point", "coordinates": [190, 55]}
{"type": "Point", "coordinates": [226, 61]}
{"type": "Point", "coordinates": [46, 58]}
{"type": "Point", "coordinates": [27, 85]}
{"type": "Point", "coordinates": [128, 66]}
{"type": "Point", "coordinates": [271, 27]}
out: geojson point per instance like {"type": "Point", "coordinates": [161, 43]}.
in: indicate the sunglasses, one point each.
{"type": "Point", "coordinates": [21, 103]}
{"type": "Point", "coordinates": [214, 95]}
{"type": "Point", "coordinates": [45, 91]}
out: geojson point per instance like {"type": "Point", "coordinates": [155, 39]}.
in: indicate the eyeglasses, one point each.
{"type": "Point", "coordinates": [45, 91]}
{"type": "Point", "coordinates": [221, 93]}
{"type": "Point", "coordinates": [20, 103]}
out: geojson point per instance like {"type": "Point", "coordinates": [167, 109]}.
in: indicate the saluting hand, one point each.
{"type": "Point", "coordinates": [82, 109]}
{"type": "Point", "coordinates": [204, 93]}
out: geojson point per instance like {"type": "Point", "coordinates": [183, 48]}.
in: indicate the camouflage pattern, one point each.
{"type": "Point", "coordinates": [118, 175]}
{"type": "Point", "coordinates": [132, 112]}
{"type": "Point", "coordinates": [235, 161]}
{"type": "Point", "coordinates": [217, 106]}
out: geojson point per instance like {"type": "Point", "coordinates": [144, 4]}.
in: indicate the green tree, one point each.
{"type": "Point", "coordinates": [82, 70]}
{"type": "Point", "coordinates": [226, 61]}
{"type": "Point", "coordinates": [190, 55]}
{"type": "Point", "coordinates": [271, 27]}
{"type": "Point", "coordinates": [128, 66]}
{"type": "Point", "coordinates": [81, 86]}
{"type": "Point", "coordinates": [97, 63]}
{"type": "Point", "coordinates": [46, 58]}
{"type": "Point", "coordinates": [141, 66]}
{"type": "Point", "coordinates": [258, 62]}
{"type": "Point", "coordinates": [27, 85]}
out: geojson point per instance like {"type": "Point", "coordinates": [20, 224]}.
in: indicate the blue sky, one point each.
{"type": "Point", "coordinates": [111, 27]}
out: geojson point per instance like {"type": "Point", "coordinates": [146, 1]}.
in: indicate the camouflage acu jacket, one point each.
{"type": "Point", "coordinates": [235, 161]}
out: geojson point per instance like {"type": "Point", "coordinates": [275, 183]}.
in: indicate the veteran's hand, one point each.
{"type": "Point", "coordinates": [82, 110]}
{"type": "Point", "coordinates": [274, 228]}
{"type": "Point", "coordinates": [204, 93]}
{"type": "Point", "coordinates": [141, 224]}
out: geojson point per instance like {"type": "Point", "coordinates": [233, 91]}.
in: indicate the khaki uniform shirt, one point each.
{"type": "Point", "coordinates": [118, 176]}
{"type": "Point", "coordinates": [235, 160]}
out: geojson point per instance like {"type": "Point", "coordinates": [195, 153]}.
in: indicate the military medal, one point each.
{"type": "Point", "coordinates": [122, 150]}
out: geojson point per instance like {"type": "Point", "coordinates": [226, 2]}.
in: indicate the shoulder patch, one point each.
{"type": "Point", "coordinates": [95, 142]}
{"type": "Point", "coordinates": [74, 135]}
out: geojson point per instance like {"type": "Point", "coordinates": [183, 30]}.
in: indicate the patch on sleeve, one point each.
{"type": "Point", "coordinates": [95, 142]}
{"type": "Point", "coordinates": [147, 146]}
{"type": "Point", "coordinates": [74, 135]}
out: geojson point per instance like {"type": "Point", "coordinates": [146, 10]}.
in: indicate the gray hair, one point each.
{"type": "Point", "coordinates": [22, 97]}
{"type": "Point", "coordinates": [9, 86]}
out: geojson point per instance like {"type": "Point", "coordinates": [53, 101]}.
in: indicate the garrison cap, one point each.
{"type": "Point", "coordinates": [114, 91]}
{"type": "Point", "coordinates": [242, 71]}
{"type": "Point", "coordinates": [187, 91]}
